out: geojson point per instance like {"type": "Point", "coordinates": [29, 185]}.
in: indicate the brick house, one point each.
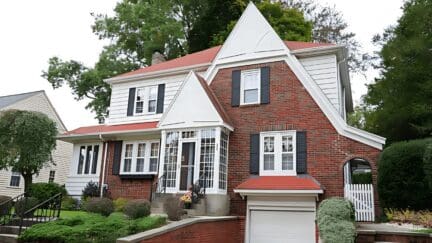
{"type": "Point", "coordinates": [259, 122]}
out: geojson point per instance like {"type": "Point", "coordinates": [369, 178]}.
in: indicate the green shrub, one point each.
{"type": "Point", "coordinates": [402, 181]}
{"type": "Point", "coordinates": [137, 209]}
{"type": "Point", "coordinates": [4, 208]}
{"type": "Point", "coordinates": [43, 191]}
{"type": "Point", "coordinates": [119, 204]}
{"type": "Point", "coordinates": [92, 189]}
{"type": "Point", "coordinates": [174, 208]}
{"type": "Point", "coordinates": [427, 166]}
{"type": "Point", "coordinates": [25, 204]}
{"type": "Point", "coordinates": [335, 219]}
{"type": "Point", "coordinates": [362, 178]}
{"type": "Point", "coordinates": [89, 228]}
{"type": "Point", "coordinates": [103, 206]}
{"type": "Point", "coordinates": [70, 203]}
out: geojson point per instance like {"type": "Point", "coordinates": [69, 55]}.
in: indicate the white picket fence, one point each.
{"type": "Point", "coordinates": [361, 195]}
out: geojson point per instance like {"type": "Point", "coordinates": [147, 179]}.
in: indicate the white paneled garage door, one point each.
{"type": "Point", "coordinates": [281, 226]}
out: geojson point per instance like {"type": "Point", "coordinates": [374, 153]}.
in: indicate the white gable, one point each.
{"type": "Point", "coordinates": [251, 37]}
{"type": "Point", "coordinates": [191, 107]}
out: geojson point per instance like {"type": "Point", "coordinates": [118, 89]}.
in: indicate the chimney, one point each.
{"type": "Point", "coordinates": [157, 57]}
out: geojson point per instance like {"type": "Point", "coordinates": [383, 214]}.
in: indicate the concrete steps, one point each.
{"type": "Point", "coordinates": [198, 209]}
{"type": "Point", "coordinates": [8, 238]}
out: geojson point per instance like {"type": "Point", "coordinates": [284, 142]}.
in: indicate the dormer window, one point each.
{"type": "Point", "coordinates": [146, 100]}
{"type": "Point", "coordinates": [250, 87]}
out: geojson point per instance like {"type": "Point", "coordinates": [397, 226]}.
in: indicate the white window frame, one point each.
{"type": "Point", "coordinates": [278, 153]}
{"type": "Point", "coordinates": [15, 174]}
{"type": "Point", "coordinates": [145, 100]}
{"type": "Point", "coordinates": [147, 156]}
{"type": "Point", "coordinates": [91, 159]}
{"type": "Point", "coordinates": [242, 86]}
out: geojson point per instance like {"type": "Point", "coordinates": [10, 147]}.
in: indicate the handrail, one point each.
{"type": "Point", "coordinates": [7, 217]}
{"type": "Point", "coordinates": [12, 199]}
{"type": "Point", "coordinates": [48, 210]}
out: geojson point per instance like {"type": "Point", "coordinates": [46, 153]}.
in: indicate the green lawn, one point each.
{"type": "Point", "coordinates": [83, 227]}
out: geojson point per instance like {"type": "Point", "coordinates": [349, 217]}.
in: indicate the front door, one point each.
{"type": "Point", "coordinates": [187, 165]}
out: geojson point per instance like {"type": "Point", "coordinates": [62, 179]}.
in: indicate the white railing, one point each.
{"type": "Point", "coordinates": [361, 195]}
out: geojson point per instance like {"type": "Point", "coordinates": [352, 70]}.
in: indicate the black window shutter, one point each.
{"type": "Point", "coordinates": [235, 88]}
{"type": "Point", "coordinates": [117, 157]}
{"type": "Point", "coordinates": [131, 102]}
{"type": "Point", "coordinates": [265, 85]}
{"type": "Point", "coordinates": [301, 147]}
{"type": "Point", "coordinates": [254, 154]}
{"type": "Point", "coordinates": [160, 98]}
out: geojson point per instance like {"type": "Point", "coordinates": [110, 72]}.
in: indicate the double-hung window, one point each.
{"type": "Point", "coordinates": [250, 87]}
{"type": "Point", "coordinates": [15, 179]}
{"type": "Point", "coordinates": [146, 100]}
{"type": "Point", "coordinates": [277, 155]}
{"type": "Point", "coordinates": [140, 157]}
{"type": "Point", "coordinates": [88, 159]}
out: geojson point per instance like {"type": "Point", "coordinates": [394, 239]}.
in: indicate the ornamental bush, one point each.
{"type": "Point", "coordinates": [335, 219]}
{"type": "Point", "coordinates": [137, 208]}
{"type": "Point", "coordinates": [119, 204]}
{"type": "Point", "coordinates": [92, 189]}
{"type": "Point", "coordinates": [402, 178]}
{"type": "Point", "coordinates": [43, 191]}
{"type": "Point", "coordinates": [102, 206]}
{"type": "Point", "coordinates": [173, 208]}
{"type": "Point", "coordinates": [70, 203]}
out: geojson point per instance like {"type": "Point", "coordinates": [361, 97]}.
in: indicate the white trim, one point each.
{"type": "Point", "coordinates": [145, 100]}
{"type": "Point", "coordinates": [158, 74]}
{"type": "Point", "coordinates": [77, 158]}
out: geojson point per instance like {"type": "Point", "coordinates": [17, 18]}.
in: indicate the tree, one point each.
{"type": "Point", "coordinates": [26, 141]}
{"type": "Point", "coordinates": [400, 99]}
{"type": "Point", "coordinates": [329, 26]}
{"type": "Point", "coordinates": [289, 23]}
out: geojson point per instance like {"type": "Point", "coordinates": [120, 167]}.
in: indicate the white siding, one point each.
{"type": "Point", "coordinates": [75, 183]}
{"type": "Point", "coordinates": [324, 71]}
{"type": "Point", "coordinates": [120, 96]}
{"type": "Point", "coordinates": [61, 155]}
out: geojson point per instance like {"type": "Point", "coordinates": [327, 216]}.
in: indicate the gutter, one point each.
{"type": "Point", "coordinates": [103, 165]}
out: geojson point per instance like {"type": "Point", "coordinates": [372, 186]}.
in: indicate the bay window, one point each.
{"type": "Point", "coordinates": [139, 157]}
{"type": "Point", "coordinates": [277, 156]}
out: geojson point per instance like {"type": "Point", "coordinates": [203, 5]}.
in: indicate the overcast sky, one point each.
{"type": "Point", "coordinates": [33, 31]}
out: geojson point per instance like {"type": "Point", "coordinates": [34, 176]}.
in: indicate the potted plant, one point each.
{"type": "Point", "coordinates": [186, 199]}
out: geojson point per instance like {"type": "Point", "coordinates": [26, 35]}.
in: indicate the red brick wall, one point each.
{"type": "Point", "coordinates": [126, 188]}
{"type": "Point", "coordinates": [393, 237]}
{"type": "Point", "coordinates": [291, 108]}
{"type": "Point", "coordinates": [226, 231]}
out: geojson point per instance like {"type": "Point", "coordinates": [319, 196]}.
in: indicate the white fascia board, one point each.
{"type": "Point", "coordinates": [74, 137]}
{"type": "Point", "coordinates": [158, 74]}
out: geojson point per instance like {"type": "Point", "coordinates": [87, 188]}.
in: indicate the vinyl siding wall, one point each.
{"type": "Point", "coordinates": [324, 71]}
{"type": "Point", "coordinates": [120, 95]}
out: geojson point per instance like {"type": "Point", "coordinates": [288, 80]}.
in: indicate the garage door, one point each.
{"type": "Point", "coordinates": [281, 226]}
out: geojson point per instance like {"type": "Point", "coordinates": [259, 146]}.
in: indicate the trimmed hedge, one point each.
{"type": "Point", "coordinates": [89, 228]}
{"type": "Point", "coordinates": [43, 191]}
{"type": "Point", "coordinates": [137, 209]}
{"type": "Point", "coordinates": [335, 219]}
{"type": "Point", "coordinates": [402, 176]}
{"type": "Point", "coordinates": [102, 206]}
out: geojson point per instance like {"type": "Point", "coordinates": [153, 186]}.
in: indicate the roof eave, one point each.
{"type": "Point", "coordinates": [97, 135]}
{"type": "Point", "coordinates": [165, 72]}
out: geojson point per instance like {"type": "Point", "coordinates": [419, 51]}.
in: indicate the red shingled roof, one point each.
{"type": "Point", "coordinates": [207, 56]}
{"type": "Point", "coordinates": [112, 128]}
{"type": "Point", "coordinates": [279, 183]}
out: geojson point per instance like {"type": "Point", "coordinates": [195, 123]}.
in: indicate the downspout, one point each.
{"type": "Point", "coordinates": [103, 165]}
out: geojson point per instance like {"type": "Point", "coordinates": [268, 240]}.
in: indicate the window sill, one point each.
{"type": "Point", "coordinates": [14, 187]}
{"type": "Point", "coordinates": [136, 176]}
{"type": "Point", "coordinates": [250, 105]}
